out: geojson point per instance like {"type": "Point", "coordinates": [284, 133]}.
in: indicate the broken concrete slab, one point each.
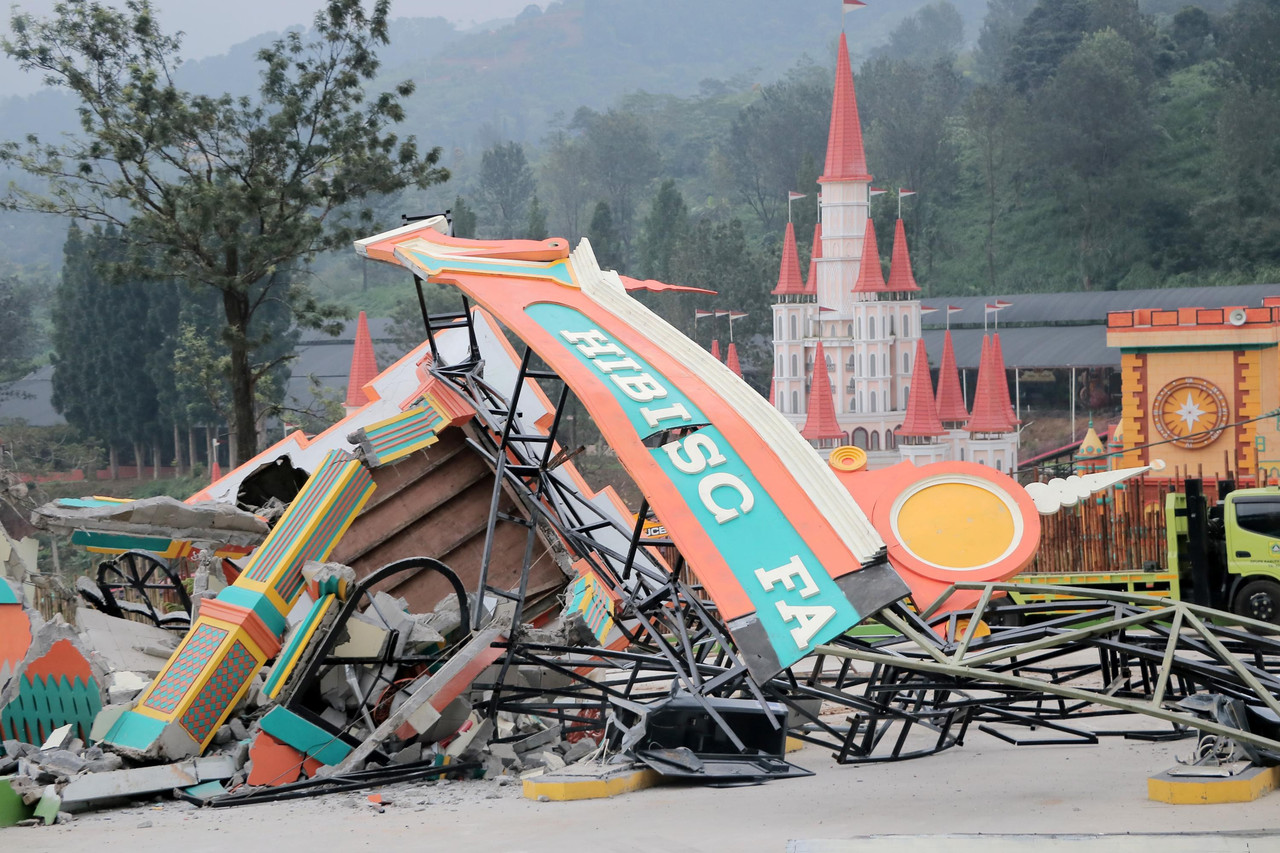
{"type": "Point", "coordinates": [121, 642]}
{"type": "Point", "coordinates": [93, 789]}
{"type": "Point", "coordinates": [206, 522]}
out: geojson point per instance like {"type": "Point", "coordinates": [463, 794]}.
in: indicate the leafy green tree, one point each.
{"type": "Point", "coordinates": [1091, 148]}
{"type": "Point", "coordinates": [604, 237]}
{"type": "Point", "coordinates": [228, 193]}
{"type": "Point", "coordinates": [464, 219]}
{"type": "Point", "coordinates": [537, 227]}
{"type": "Point", "coordinates": [932, 33]}
{"type": "Point", "coordinates": [997, 36]}
{"type": "Point", "coordinates": [506, 187]}
{"type": "Point", "coordinates": [621, 162]}
{"type": "Point", "coordinates": [564, 180]}
{"type": "Point", "coordinates": [17, 332]}
{"type": "Point", "coordinates": [667, 221]}
{"type": "Point", "coordinates": [770, 138]}
{"type": "Point", "coordinates": [1048, 34]}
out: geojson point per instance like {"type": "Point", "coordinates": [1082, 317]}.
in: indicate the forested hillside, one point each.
{"type": "Point", "coordinates": [1052, 144]}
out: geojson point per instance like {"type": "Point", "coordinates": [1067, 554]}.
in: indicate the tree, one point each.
{"type": "Point", "coordinates": [621, 161]}
{"type": "Point", "coordinates": [934, 32]}
{"type": "Point", "coordinates": [1090, 148]}
{"type": "Point", "coordinates": [225, 193]}
{"type": "Point", "coordinates": [998, 33]}
{"type": "Point", "coordinates": [506, 186]}
{"type": "Point", "coordinates": [666, 223]}
{"type": "Point", "coordinates": [537, 227]}
{"type": "Point", "coordinates": [564, 179]}
{"type": "Point", "coordinates": [464, 219]}
{"type": "Point", "coordinates": [769, 139]}
{"type": "Point", "coordinates": [17, 336]}
{"type": "Point", "coordinates": [604, 237]}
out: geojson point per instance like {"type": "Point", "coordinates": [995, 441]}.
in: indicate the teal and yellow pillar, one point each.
{"type": "Point", "coordinates": [240, 630]}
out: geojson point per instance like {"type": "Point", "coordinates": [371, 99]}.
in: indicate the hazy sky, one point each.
{"type": "Point", "coordinates": [212, 26]}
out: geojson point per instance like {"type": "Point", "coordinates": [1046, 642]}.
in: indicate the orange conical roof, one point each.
{"type": "Point", "coordinates": [922, 412]}
{"type": "Point", "coordinates": [997, 358]}
{"type": "Point", "coordinates": [821, 421]}
{"type": "Point", "coordinates": [900, 276]}
{"type": "Point", "coordinates": [811, 283]}
{"type": "Point", "coordinates": [989, 409]}
{"type": "Point", "coordinates": [364, 365]}
{"type": "Point", "coordinates": [951, 407]}
{"type": "Point", "coordinates": [870, 277]}
{"type": "Point", "coordinates": [789, 281]}
{"type": "Point", "coordinates": [715, 349]}
{"type": "Point", "coordinates": [731, 359]}
{"type": "Point", "coordinates": [846, 159]}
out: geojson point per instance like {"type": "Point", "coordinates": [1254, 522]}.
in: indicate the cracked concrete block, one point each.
{"type": "Point", "coordinates": [63, 761]}
{"type": "Point", "coordinates": [408, 755]}
{"type": "Point", "coordinates": [58, 738]}
{"type": "Point", "coordinates": [93, 788]}
{"type": "Point", "coordinates": [105, 764]}
{"type": "Point", "coordinates": [579, 750]}
{"type": "Point", "coordinates": [120, 642]}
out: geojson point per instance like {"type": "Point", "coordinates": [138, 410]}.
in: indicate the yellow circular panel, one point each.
{"type": "Point", "coordinates": [955, 525]}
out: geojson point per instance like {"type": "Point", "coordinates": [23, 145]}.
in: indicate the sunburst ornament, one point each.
{"type": "Point", "coordinates": [1190, 412]}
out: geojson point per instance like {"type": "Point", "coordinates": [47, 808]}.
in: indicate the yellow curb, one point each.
{"type": "Point", "coordinates": [1189, 790]}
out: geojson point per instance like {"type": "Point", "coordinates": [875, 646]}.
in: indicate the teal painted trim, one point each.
{"type": "Point", "coordinates": [294, 647]}
{"type": "Point", "coordinates": [1195, 347]}
{"type": "Point", "coordinates": [308, 738]}
{"type": "Point", "coordinates": [259, 603]}
{"type": "Point", "coordinates": [8, 595]}
{"type": "Point", "coordinates": [120, 541]}
{"type": "Point", "coordinates": [557, 271]}
{"type": "Point", "coordinates": [134, 731]}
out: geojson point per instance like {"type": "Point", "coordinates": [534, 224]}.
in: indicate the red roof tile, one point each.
{"type": "Point", "coordinates": [900, 276]}
{"type": "Point", "coordinates": [951, 406]}
{"type": "Point", "coordinates": [922, 412]}
{"type": "Point", "coordinates": [990, 412]}
{"type": "Point", "coordinates": [870, 277]}
{"type": "Point", "coordinates": [811, 283]}
{"type": "Point", "coordinates": [364, 365]}
{"type": "Point", "coordinates": [846, 159]}
{"type": "Point", "coordinates": [789, 281]}
{"type": "Point", "coordinates": [731, 359]}
{"type": "Point", "coordinates": [997, 357]}
{"type": "Point", "coordinates": [821, 421]}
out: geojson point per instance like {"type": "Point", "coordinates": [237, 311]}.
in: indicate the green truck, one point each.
{"type": "Point", "coordinates": [1227, 555]}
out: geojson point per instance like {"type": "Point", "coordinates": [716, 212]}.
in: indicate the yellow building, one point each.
{"type": "Point", "coordinates": [1196, 382]}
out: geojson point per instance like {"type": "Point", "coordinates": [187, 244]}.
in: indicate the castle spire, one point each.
{"type": "Point", "coordinates": [731, 359]}
{"type": "Point", "coordinates": [951, 407]}
{"type": "Point", "coordinates": [364, 366]}
{"type": "Point", "coordinates": [990, 412]}
{"type": "Point", "coordinates": [846, 159]}
{"type": "Point", "coordinates": [997, 357]}
{"type": "Point", "coordinates": [901, 278]}
{"type": "Point", "coordinates": [870, 276]}
{"type": "Point", "coordinates": [820, 422]}
{"type": "Point", "coordinates": [811, 283]}
{"type": "Point", "coordinates": [789, 281]}
{"type": "Point", "coordinates": [715, 349]}
{"type": "Point", "coordinates": [922, 418]}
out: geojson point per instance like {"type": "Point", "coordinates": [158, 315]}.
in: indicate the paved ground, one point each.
{"type": "Point", "coordinates": [983, 787]}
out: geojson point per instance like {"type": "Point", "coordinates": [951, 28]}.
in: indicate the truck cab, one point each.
{"type": "Point", "coordinates": [1234, 562]}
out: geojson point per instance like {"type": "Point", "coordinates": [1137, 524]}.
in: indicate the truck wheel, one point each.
{"type": "Point", "coordinates": [1259, 599]}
